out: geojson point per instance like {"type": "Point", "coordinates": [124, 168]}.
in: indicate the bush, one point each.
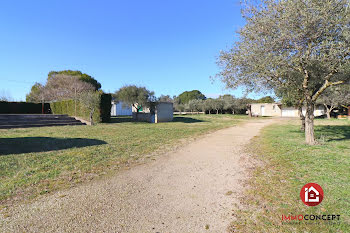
{"type": "Point", "coordinates": [23, 108]}
{"type": "Point", "coordinates": [103, 114]}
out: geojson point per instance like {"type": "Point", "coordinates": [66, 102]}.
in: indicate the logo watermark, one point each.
{"type": "Point", "coordinates": [311, 194]}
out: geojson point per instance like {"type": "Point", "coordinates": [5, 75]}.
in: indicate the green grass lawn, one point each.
{"type": "Point", "coordinates": [288, 164]}
{"type": "Point", "coordinates": [39, 160]}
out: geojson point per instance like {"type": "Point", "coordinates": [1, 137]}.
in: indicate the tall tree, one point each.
{"type": "Point", "coordinates": [138, 97]}
{"type": "Point", "coordinates": [195, 105]}
{"type": "Point", "coordinates": [166, 98]}
{"type": "Point", "coordinates": [208, 105]}
{"type": "Point", "coordinates": [243, 104]}
{"type": "Point", "coordinates": [229, 103]}
{"type": "Point", "coordinates": [306, 38]}
{"type": "Point", "coordinates": [66, 87]}
{"type": "Point", "coordinates": [217, 105]}
{"type": "Point", "coordinates": [36, 94]}
{"type": "Point", "coordinates": [177, 105]}
{"type": "Point", "coordinates": [186, 96]}
{"type": "Point", "coordinates": [62, 85]}
{"type": "Point", "coordinates": [78, 74]}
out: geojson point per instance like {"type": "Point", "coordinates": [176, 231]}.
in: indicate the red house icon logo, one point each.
{"type": "Point", "coordinates": [311, 194]}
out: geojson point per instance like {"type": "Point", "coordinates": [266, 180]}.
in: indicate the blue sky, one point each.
{"type": "Point", "coordinates": [167, 46]}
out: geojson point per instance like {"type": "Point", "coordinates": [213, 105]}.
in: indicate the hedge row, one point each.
{"type": "Point", "coordinates": [23, 108]}
{"type": "Point", "coordinates": [103, 114]}
{"type": "Point", "coordinates": [105, 107]}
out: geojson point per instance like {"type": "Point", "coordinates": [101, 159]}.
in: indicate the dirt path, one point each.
{"type": "Point", "coordinates": [183, 191]}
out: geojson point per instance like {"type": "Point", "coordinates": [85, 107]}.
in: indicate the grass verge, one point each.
{"type": "Point", "coordinates": [287, 165]}
{"type": "Point", "coordinates": [36, 161]}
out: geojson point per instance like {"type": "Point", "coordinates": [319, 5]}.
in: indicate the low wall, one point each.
{"type": "Point", "coordinates": [23, 108]}
{"type": "Point", "coordinates": [141, 116]}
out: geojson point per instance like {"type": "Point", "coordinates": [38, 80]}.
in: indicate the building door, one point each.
{"type": "Point", "coordinates": [262, 110]}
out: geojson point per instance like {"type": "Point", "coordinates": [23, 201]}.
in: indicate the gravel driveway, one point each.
{"type": "Point", "coordinates": [192, 189]}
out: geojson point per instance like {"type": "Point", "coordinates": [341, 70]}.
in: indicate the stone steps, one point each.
{"type": "Point", "coordinates": [8, 121]}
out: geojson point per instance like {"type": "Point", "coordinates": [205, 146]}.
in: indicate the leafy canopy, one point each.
{"type": "Point", "coordinates": [296, 45]}
{"type": "Point", "coordinates": [266, 99]}
{"type": "Point", "coordinates": [76, 73]}
{"type": "Point", "coordinates": [135, 96]}
{"type": "Point", "coordinates": [66, 84]}
{"type": "Point", "coordinates": [186, 96]}
{"type": "Point", "coordinates": [336, 96]}
{"type": "Point", "coordinates": [36, 94]}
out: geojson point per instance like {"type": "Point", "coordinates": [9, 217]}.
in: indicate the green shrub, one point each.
{"type": "Point", "coordinates": [103, 114]}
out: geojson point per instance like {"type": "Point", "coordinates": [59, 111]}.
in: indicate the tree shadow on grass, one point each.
{"type": "Point", "coordinates": [122, 119]}
{"type": "Point", "coordinates": [186, 120]}
{"type": "Point", "coordinates": [42, 144]}
{"type": "Point", "coordinates": [334, 132]}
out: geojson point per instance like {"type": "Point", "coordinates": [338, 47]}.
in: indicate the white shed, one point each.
{"type": "Point", "coordinates": [277, 109]}
{"type": "Point", "coordinates": [119, 109]}
{"type": "Point", "coordinates": [161, 112]}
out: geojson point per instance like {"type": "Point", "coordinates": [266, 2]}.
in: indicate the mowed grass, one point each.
{"type": "Point", "coordinates": [36, 161]}
{"type": "Point", "coordinates": [287, 165]}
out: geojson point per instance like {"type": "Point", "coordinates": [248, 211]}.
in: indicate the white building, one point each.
{"type": "Point", "coordinates": [119, 109]}
{"type": "Point", "coordinates": [277, 109]}
{"type": "Point", "coordinates": [161, 112]}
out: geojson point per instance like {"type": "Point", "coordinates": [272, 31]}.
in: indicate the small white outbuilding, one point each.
{"type": "Point", "coordinates": [278, 110]}
{"type": "Point", "coordinates": [120, 109]}
{"type": "Point", "coordinates": [160, 112]}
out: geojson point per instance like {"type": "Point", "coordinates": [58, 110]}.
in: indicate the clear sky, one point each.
{"type": "Point", "coordinates": [169, 46]}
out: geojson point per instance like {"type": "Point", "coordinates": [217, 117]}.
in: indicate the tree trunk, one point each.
{"type": "Point", "coordinates": [42, 107]}
{"type": "Point", "coordinates": [136, 113]}
{"type": "Point", "coordinates": [75, 101]}
{"type": "Point", "coordinates": [302, 118]}
{"type": "Point", "coordinates": [328, 111]}
{"type": "Point", "coordinates": [249, 111]}
{"type": "Point", "coordinates": [309, 123]}
{"type": "Point", "coordinates": [217, 111]}
{"type": "Point", "coordinates": [91, 116]}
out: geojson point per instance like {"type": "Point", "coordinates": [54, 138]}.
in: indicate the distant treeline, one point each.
{"type": "Point", "coordinates": [195, 101]}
